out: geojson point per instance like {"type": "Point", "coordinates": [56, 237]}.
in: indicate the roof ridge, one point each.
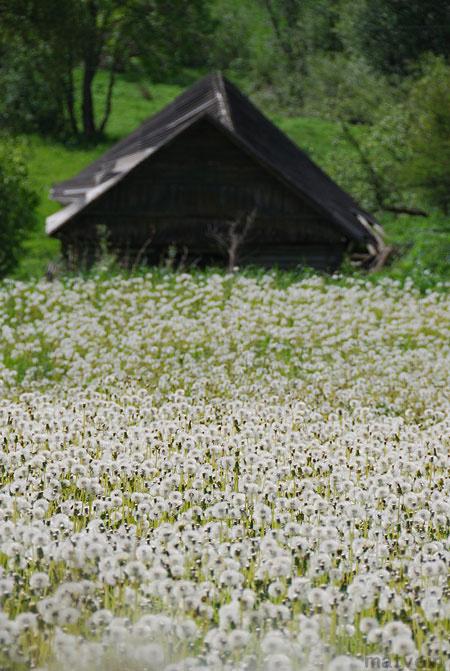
{"type": "Point", "coordinates": [225, 112]}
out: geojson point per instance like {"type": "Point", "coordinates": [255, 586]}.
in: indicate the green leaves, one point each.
{"type": "Point", "coordinates": [393, 34]}
{"type": "Point", "coordinates": [430, 134]}
{"type": "Point", "coordinates": [45, 42]}
{"type": "Point", "coordinates": [17, 204]}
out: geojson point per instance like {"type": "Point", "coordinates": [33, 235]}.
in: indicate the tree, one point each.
{"type": "Point", "coordinates": [429, 105]}
{"type": "Point", "coordinates": [296, 33]}
{"type": "Point", "coordinates": [63, 35]}
{"type": "Point", "coordinates": [38, 56]}
{"type": "Point", "coordinates": [17, 204]}
{"type": "Point", "coordinates": [400, 162]}
{"type": "Point", "coordinates": [27, 92]}
{"type": "Point", "coordinates": [393, 34]}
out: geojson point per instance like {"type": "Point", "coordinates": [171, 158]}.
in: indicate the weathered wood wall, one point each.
{"type": "Point", "coordinates": [193, 189]}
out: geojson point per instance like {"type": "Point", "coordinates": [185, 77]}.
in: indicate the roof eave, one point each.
{"type": "Point", "coordinates": [55, 221]}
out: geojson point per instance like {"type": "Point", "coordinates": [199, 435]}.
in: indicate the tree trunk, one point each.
{"type": "Point", "coordinates": [70, 101]}
{"type": "Point", "coordinates": [108, 98]}
{"type": "Point", "coordinates": [90, 65]}
{"type": "Point", "coordinates": [88, 102]}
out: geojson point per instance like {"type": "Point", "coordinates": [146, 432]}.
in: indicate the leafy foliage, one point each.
{"type": "Point", "coordinates": [344, 86]}
{"type": "Point", "coordinates": [422, 249]}
{"type": "Point", "coordinates": [408, 145]}
{"type": "Point", "coordinates": [169, 36]}
{"type": "Point", "coordinates": [53, 39]}
{"type": "Point", "coordinates": [17, 203]}
{"type": "Point", "coordinates": [395, 33]}
{"type": "Point", "coordinates": [429, 102]}
{"type": "Point", "coordinates": [29, 87]}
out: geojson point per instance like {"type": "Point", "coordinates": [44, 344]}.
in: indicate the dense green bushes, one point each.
{"type": "Point", "coordinates": [17, 204]}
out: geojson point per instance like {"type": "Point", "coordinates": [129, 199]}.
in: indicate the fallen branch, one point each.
{"type": "Point", "coordinates": [405, 210]}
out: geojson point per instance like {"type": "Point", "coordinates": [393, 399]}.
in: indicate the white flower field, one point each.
{"type": "Point", "coordinates": [219, 472]}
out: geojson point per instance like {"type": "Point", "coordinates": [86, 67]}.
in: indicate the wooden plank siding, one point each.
{"type": "Point", "coordinates": [194, 187]}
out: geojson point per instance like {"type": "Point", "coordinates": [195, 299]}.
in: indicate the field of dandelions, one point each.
{"type": "Point", "coordinates": [221, 473]}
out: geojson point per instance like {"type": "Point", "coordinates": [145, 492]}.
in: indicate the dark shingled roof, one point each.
{"type": "Point", "coordinates": [217, 98]}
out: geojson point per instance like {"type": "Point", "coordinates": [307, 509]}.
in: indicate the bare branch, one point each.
{"type": "Point", "coordinates": [231, 239]}
{"type": "Point", "coordinates": [142, 251]}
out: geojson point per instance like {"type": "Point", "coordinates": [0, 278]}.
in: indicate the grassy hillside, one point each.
{"type": "Point", "coordinates": [136, 100]}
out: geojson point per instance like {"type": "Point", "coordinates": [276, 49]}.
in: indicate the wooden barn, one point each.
{"type": "Point", "coordinates": [209, 179]}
